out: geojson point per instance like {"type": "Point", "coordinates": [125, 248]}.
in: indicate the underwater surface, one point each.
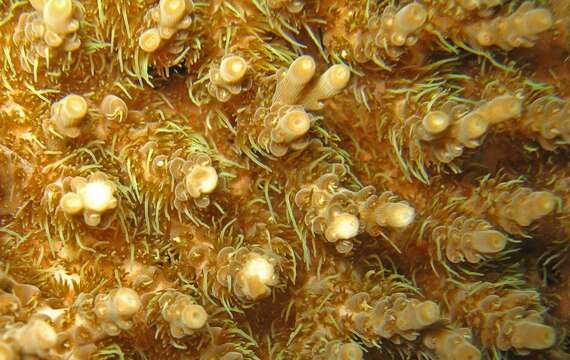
{"type": "Point", "coordinates": [284, 179]}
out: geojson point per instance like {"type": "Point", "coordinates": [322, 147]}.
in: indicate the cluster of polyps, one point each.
{"type": "Point", "coordinates": [450, 344]}
{"type": "Point", "coordinates": [183, 315]}
{"type": "Point", "coordinates": [250, 274]}
{"type": "Point", "coordinates": [520, 29]}
{"type": "Point", "coordinates": [116, 309]}
{"type": "Point", "coordinates": [53, 25]}
{"type": "Point", "coordinates": [228, 78]}
{"type": "Point", "coordinates": [387, 33]}
{"type": "Point", "coordinates": [68, 115]}
{"type": "Point", "coordinates": [341, 214]}
{"type": "Point", "coordinates": [522, 207]}
{"type": "Point", "coordinates": [548, 121]}
{"type": "Point", "coordinates": [169, 17]}
{"type": "Point", "coordinates": [194, 178]}
{"type": "Point", "coordinates": [91, 196]}
{"type": "Point", "coordinates": [504, 318]}
{"type": "Point", "coordinates": [286, 122]}
{"type": "Point", "coordinates": [36, 338]}
{"type": "Point", "coordinates": [468, 239]}
{"type": "Point", "coordinates": [393, 317]}
{"type": "Point", "coordinates": [343, 351]}
{"type": "Point", "coordinates": [454, 127]}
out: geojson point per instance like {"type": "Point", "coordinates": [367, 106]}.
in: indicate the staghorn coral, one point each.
{"type": "Point", "coordinates": [504, 318]}
{"type": "Point", "coordinates": [48, 33]}
{"type": "Point", "coordinates": [227, 79]}
{"type": "Point", "coordinates": [450, 344]}
{"type": "Point", "coordinates": [341, 214]}
{"type": "Point", "coordinates": [284, 179]}
{"type": "Point", "coordinates": [519, 29]}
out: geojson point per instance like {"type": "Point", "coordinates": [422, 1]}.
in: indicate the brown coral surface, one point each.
{"type": "Point", "coordinates": [284, 179]}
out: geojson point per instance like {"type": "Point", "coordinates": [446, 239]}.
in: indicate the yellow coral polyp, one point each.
{"type": "Point", "coordinates": [37, 337]}
{"type": "Point", "coordinates": [533, 336]}
{"type": "Point", "coordinates": [519, 29]}
{"type": "Point", "coordinates": [350, 352]}
{"type": "Point", "coordinates": [116, 309]}
{"type": "Point", "coordinates": [126, 302]}
{"type": "Point", "coordinates": [150, 40]}
{"type": "Point", "coordinates": [451, 345]}
{"type": "Point", "coordinates": [233, 69]}
{"type": "Point", "coordinates": [298, 75]}
{"type": "Point", "coordinates": [6, 351]}
{"type": "Point", "coordinates": [409, 19]}
{"type": "Point", "coordinates": [57, 15]}
{"type": "Point", "coordinates": [417, 316]}
{"type": "Point", "coordinates": [68, 114]}
{"type": "Point", "coordinates": [254, 279]}
{"type": "Point", "coordinates": [343, 226]}
{"type": "Point", "coordinates": [396, 215]}
{"type": "Point", "coordinates": [168, 17]}
{"type": "Point", "coordinates": [501, 108]}
{"type": "Point", "coordinates": [471, 127]}
{"type": "Point", "coordinates": [171, 12]}
{"type": "Point", "coordinates": [71, 203]}
{"type": "Point", "coordinates": [488, 241]}
{"type": "Point", "coordinates": [93, 196]}
{"type": "Point", "coordinates": [329, 84]}
{"type": "Point", "coordinates": [533, 207]}
{"type": "Point", "coordinates": [201, 180]}
{"type": "Point", "coordinates": [73, 109]}
{"type": "Point", "coordinates": [293, 125]}
{"type": "Point", "coordinates": [435, 122]}
{"type": "Point", "coordinates": [182, 314]}
{"type": "Point", "coordinates": [113, 107]}
{"type": "Point", "coordinates": [98, 196]}
{"type": "Point", "coordinates": [194, 316]}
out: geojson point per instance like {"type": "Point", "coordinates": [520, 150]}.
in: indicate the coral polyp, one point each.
{"type": "Point", "coordinates": [284, 179]}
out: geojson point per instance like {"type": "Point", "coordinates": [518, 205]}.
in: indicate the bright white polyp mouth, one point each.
{"type": "Point", "coordinates": [345, 226]}
{"type": "Point", "coordinates": [97, 196]}
{"type": "Point", "coordinates": [260, 268]}
{"type": "Point", "coordinates": [404, 216]}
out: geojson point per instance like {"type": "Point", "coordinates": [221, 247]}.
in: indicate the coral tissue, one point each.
{"type": "Point", "coordinates": [284, 179]}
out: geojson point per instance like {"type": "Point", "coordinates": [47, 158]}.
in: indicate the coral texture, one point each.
{"type": "Point", "coordinates": [284, 179]}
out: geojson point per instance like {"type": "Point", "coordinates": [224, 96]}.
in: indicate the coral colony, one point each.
{"type": "Point", "coordinates": [284, 179]}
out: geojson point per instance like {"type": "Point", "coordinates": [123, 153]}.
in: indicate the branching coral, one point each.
{"type": "Point", "coordinates": [519, 29]}
{"type": "Point", "coordinates": [193, 178]}
{"type": "Point", "coordinates": [448, 131]}
{"type": "Point", "coordinates": [47, 31]}
{"type": "Point", "coordinates": [511, 205]}
{"type": "Point", "coordinates": [91, 196]}
{"type": "Point", "coordinates": [169, 17]}
{"type": "Point", "coordinates": [182, 314]}
{"type": "Point", "coordinates": [227, 79]}
{"type": "Point", "coordinates": [387, 33]}
{"type": "Point", "coordinates": [284, 179]}
{"type": "Point", "coordinates": [67, 116]}
{"type": "Point", "coordinates": [340, 214]}
{"type": "Point", "coordinates": [286, 122]}
{"type": "Point", "coordinates": [504, 318]}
